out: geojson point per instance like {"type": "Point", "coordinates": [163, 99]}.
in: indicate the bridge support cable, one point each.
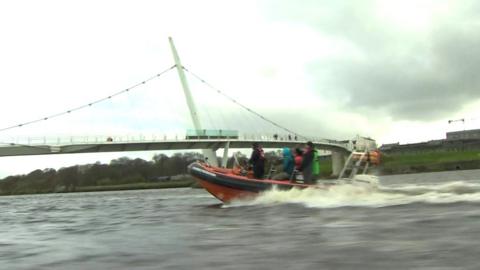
{"type": "Point", "coordinates": [211, 122]}
{"type": "Point", "coordinates": [243, 106]}
{"type": "Point", "coordinates": [177, 116]}
{"type": "Point", "coordinates": [90, 104]}
{"type": "Point", "coordinates": [244, 121]}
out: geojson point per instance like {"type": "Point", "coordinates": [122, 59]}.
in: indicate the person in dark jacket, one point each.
{"type": "Point", "coordinates": [307, 163]}
{"type": "Point", "coordinates": [257, 160]}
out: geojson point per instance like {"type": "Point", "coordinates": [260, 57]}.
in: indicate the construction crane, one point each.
{"type": "Point", "coordinates": [465, 120]}
{"type": "Point", "coordinates": [457, 120]}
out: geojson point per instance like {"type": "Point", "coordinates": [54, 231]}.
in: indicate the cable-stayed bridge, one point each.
{"type": "Point", "coordinates": [208, 140]}
{"type": "Point", "coordinates": [76, 145]}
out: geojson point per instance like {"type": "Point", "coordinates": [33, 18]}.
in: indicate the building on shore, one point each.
{"type": "Point", "coordinates": [464, 135]}
{"type": "Point", "coordinates": [359, 143]}
{"type": "Point", "coordinates": [363, 143]}
{"type": "Point", "coordinates": [455, 141]}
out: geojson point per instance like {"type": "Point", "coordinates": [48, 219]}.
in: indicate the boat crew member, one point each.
{"type": "Point", "coordinates": [298, 158]}
{"type": "Point", "coordinates": [257, 160]}
{"type": "Point", "coordinates": [288, 165]}
{"type": "Point", "coordinates": [288, 162]}
{"type": "Point", "coordinates": [307, 167]}
{"type": "Point", "coordinates": [315, 165]}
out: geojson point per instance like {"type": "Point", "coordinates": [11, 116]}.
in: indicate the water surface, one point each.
{"type": "Point", "coordinates": [418, 221]}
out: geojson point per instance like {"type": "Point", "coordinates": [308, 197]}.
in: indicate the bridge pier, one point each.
{"type": "Point", "coordinates": [338, 161]}
{"type": "Point", "coordinates": [225, 154]}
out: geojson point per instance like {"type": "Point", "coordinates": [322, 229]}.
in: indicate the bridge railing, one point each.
{"type": "Point", "coordinates": [132, 138]}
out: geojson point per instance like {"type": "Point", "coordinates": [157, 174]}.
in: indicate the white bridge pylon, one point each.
{"type": "Point", "coordinates": [207, 153]}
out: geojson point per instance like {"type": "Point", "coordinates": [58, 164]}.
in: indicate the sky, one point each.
{"type": "Point", "coordinates": [396, 71]}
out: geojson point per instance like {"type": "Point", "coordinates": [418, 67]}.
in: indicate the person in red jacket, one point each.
{"type": "Point", "coordinates": [298, 158]}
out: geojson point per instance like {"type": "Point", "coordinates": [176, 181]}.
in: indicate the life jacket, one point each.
{"type": "Point", "coordinates": [315, 163]}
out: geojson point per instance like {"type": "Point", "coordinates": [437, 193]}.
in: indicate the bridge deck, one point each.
{"type": "Point", "coordinates": [45, 149]}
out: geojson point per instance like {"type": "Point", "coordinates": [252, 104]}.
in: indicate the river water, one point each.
{"type": "Point", "coordinates": [418, 221]}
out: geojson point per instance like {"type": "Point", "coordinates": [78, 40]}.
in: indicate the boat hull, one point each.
{"type": "Point", "coordinates": [225, 194]}
{"type": "Point", "coordinates": [227, 186]}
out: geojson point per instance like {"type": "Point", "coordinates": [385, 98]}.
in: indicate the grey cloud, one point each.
{"type": "Point", "coordinates": [408, 76]}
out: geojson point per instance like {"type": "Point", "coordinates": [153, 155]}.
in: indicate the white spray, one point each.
{"type": "Point", "coordinates": [373, 195]}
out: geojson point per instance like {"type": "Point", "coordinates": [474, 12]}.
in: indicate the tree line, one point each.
{"type": "Point", "coordinates": [121, 171]}
{"type": "Point", "coordinates": [118, 172]}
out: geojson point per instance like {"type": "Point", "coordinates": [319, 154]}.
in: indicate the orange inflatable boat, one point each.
{"type": "Point", "coordinates": [230, 184]}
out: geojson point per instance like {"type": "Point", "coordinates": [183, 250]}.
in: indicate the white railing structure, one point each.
{"type": "Point", "coordinates": [132, 138]}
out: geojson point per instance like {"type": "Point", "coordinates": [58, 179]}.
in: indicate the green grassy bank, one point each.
{"type": "Point", "coordinates": [429, 162]}
{"type": "Point", "coordinates": [132, 186]}
{"type": "Point", "coordinates": [173, 184]}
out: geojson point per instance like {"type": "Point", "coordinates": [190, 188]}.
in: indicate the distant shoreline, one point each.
{"type": "Point", "coordinates": [418, 162]}
{"type": "Point", "coordinates": [172, 184]}
{"type": "Point", "coordinates": [133, 186]}
{"type": "Point", "coordinates": [391, 164]}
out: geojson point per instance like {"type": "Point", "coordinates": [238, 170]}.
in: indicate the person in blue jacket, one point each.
{"type": "Point", "coordinates": [288, 165]}
{"type": "Point", "coordinates": [288, 162]}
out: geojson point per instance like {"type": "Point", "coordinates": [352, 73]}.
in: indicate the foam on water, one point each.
{"type": "Point", "coordinates": [373, 195]}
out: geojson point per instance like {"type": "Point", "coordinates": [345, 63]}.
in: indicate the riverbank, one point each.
{"type": "Point", "coordinates": [133, 186]}
{"type": "Point", "coordinates": [42, 182]}
{"type": "Point", "coordinates": [173, 184]}
{"type": "Point", "coordinates": [120, 174]}
{"type": "Point", "coordinates": [428, 162]}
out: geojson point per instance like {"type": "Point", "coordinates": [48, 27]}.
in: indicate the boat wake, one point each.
{"type": "Point", "coordinates": [370, 195]}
